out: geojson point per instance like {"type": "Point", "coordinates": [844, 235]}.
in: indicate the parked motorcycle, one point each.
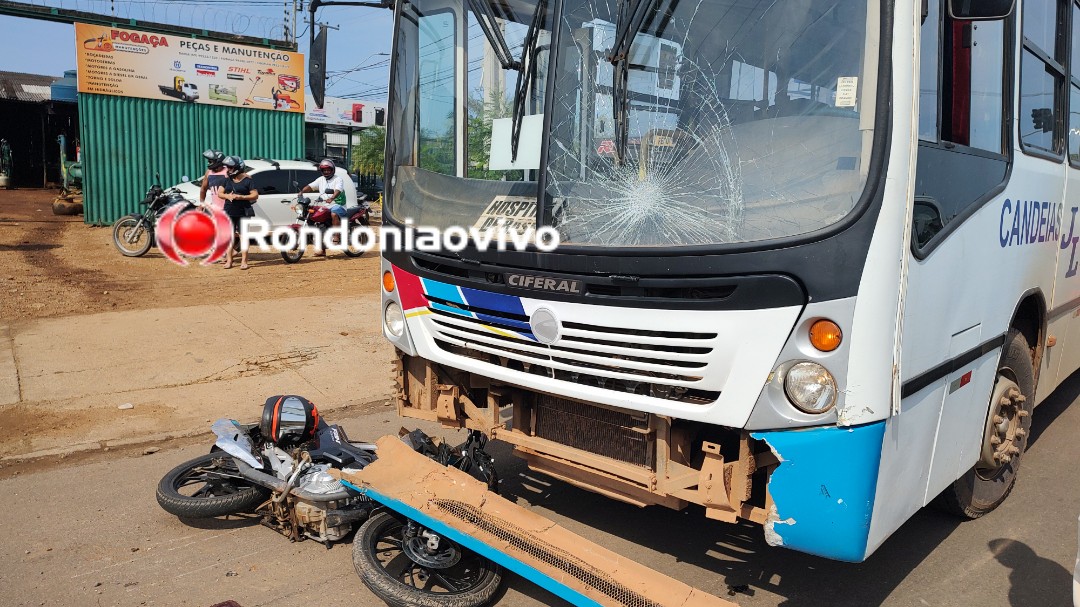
{"type": "Point", "coordinates": [278, 467]}
{"type": "Point", "coordinates": [133, 234]}
{"type": "Point", "coordinates": [316, 213]}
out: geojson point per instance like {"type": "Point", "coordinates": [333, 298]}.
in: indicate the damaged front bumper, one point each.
{"type": "Point", "coordinates": [460, 508]}
{"type": "Point", "coordinates": [811, 488]}
{"type": "Point", "coordinates": [823, 489]}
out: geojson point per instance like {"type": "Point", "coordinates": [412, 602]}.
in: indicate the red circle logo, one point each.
{"type": "Point", "coordinates": [194, 234]}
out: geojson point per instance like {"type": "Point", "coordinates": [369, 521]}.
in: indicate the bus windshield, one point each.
{"type": "Point", "coordinates": [724, 121]}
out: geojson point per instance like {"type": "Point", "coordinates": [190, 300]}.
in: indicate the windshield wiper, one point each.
{"type": "Point", "coordinates": [628, 24]}
{"type": "Point", "coordinates": [486, 20]}
{"type": "Point", "coordinates": [525, 81]}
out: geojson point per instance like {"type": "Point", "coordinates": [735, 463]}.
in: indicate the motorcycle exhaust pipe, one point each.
{"type": "Point", "coordinates": [337, 518]}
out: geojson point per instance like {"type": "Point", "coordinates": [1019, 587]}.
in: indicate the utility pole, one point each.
{"type": "Point", "coordinates": [296, 6]}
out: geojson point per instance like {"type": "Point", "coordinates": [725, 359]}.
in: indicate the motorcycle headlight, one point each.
{"type": "Point", "coordinates": [810, 387]}
{"type": "Point", "coordinates": [394, 319]}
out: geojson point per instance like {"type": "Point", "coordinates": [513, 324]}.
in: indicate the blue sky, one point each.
{"type": "Point", "coordinates": [42, 47]}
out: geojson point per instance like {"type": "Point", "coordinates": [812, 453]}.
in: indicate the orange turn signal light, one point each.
{"type": "Point", "coordinates": [825, 335]}
{"type": "Point", "coordinates": [388, 281]}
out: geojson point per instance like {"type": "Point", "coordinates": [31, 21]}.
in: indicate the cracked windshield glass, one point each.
{"type": "Point", "coordinates": [685, 122]}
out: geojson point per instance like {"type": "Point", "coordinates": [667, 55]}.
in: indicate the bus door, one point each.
{"type": "Point", "coordinates": [961, 164]}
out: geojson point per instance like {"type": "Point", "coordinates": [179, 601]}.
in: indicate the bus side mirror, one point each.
{"type": "Point", "coordinates": [980, 10]}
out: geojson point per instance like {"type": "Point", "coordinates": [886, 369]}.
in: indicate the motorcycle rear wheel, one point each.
{"type": "Point", "coordinates": [391, 575]}
{"type": "Point", "coordinates": [218, 488]}
{"type": "Point", "coordinates": [356, 252]}
{"type": "Point", "coordinates": [132, 236]}
{"type": "Point", "coordinates": [292, 255]}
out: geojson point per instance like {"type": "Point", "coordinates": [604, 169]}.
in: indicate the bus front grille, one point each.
{"type": "Point", "coordinates": [661, 364]}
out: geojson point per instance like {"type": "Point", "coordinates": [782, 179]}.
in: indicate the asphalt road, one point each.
{"type": "Point", "coordinates": [91, 533]}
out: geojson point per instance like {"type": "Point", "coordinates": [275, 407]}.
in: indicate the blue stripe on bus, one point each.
{"type": "Point", "coordinates": [496, 302]}
{"type": "Point", "coordinates": [824, 487]}
{"type": "Point", "coordinates": [524, 570]}
{"type": "Point", "coordinates": [443, 291]}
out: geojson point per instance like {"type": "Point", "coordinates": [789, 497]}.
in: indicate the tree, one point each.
{"type": "Point", "coordinates": [481, 115]}
{"type": "Point", "coordinates": [368, 153]}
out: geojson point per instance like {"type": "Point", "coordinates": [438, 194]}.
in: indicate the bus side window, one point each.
{"type": "Point", "coordinates": [1074, 91]}
{"type": "Point", "coordinates": [1042, 77]}
{"type": "Point", "coordinates": [973, 84]}
{"type": "Point", "coordinates": [961, 89]}
{"type": "Point", "coordinates": [962, 130]}
{"type": "Point", "coordinates": [928, 71]}
{"type": "Point", "coordinates": [437, 99]}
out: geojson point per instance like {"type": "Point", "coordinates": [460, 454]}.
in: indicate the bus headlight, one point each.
{"type": "Point", "coordinates": [394, 319]}
{"type": "Point", "coordinates": [810, 387]}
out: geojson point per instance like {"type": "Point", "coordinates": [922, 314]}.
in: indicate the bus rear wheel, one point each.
{"type": "Point", "coordinates": [1005, 434]}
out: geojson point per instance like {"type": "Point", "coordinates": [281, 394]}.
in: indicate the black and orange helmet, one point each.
{"type": "Point", "coordinates": [289, 420]}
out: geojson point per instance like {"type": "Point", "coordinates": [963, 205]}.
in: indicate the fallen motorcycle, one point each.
{"type": "Point", "coordinates": [278, 469]}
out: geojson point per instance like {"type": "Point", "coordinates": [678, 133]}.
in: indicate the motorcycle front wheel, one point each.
{"type": "Point", "coordinates": [292, 255]}
{"type": "Point", "coordinates": [132, 236]}
{"type": "Point", "coordinates": [453, 577]}
{"type": "Point", "coordinates": [208, 486]}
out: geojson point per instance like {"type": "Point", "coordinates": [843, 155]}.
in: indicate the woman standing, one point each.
{"type": "Point", "coordinates": [215, 177]}
{"type": "Point", "coordinates": [239, 195]}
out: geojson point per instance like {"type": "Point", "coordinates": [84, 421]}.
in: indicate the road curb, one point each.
{"type": "Point", "coordinates": [161, 437]}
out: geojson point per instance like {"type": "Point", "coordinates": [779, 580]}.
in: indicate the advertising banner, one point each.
{"type": "Point", "coordinates": [346, 112]}
{"type": "Point", "coordinates": [130, 63]}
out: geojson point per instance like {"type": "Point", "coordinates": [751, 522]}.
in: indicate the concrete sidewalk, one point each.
{"type": "Point", "coordinates": [63, 380]}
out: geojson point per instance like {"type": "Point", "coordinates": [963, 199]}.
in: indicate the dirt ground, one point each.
{"type": "Point", "coordinates": [84, 329]}
{"type": "Point", "coordinates": [53, 265]}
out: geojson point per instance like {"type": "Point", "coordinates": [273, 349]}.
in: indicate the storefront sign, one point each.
{"type": "Point", "coordinates": [130, 63]}
{"type": "Point", "coordinates": [346, 112]}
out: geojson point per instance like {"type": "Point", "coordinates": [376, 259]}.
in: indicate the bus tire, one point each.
{"type": "Point", "coordinates": [1008, 424]}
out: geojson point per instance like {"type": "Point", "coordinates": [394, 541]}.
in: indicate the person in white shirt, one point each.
{"type": "Point", "coordinates": [330, 181]}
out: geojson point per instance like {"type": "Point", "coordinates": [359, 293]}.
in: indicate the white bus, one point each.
{"type": "Point", "coordinates": [818, 261]}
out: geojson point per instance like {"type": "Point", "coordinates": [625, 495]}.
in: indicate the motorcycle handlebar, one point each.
{"type": "Point", "coordinates": [276, 484]}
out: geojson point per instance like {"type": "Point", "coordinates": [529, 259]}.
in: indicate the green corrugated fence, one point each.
{"type": "Point", "coordinates": [126, 140]}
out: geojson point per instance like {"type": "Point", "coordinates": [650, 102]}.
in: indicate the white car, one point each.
{"type": "Point", "coordinates": [274, 181]}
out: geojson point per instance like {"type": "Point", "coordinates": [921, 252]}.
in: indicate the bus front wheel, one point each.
{"type": "Point", "coordinates": [1008, 423]}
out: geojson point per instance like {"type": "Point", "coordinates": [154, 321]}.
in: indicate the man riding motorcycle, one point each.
{"type": "Point", "coordinates": [329, 180]}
